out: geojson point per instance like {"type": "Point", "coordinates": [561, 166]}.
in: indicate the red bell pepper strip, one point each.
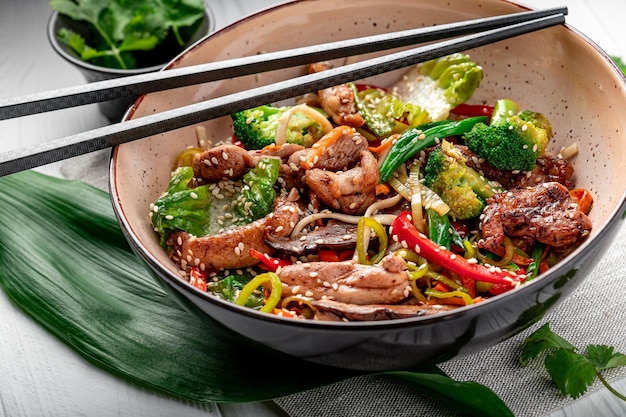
{"type": "Point", "coordinates": [404, 232]}
{"type": "Point", "coordinates": [271, 263]}
{"type": "Point", "coordinates": [198, 278]}
{"type": "Point", "coordinates": [327, 255]}
{"type": "Point", "coordinates": [473, 110]}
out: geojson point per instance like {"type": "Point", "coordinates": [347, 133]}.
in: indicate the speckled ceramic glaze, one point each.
{"type": "Point", "coordinates": [556, 71]}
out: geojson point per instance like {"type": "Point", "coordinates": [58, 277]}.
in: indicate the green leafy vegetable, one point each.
{"type": "Point", "coordinates": [196, 210]}
{"type": "Point", "coordinates": [181, 207]}
{"type": "Point", "coordinates": [439, 85]}
{"type": "Point", "coordinates": [382, 110]}
{"type": "Point", "coordinates": [572, 372]}
{"type": "Point", "coordinates": [620, 63]}
{"type": "Point", "coordinates": [118, 28]}
{"type": "Point", "coordinates": [109, 309]}
{"type": "Point", "coordinates": [258, 191]}
{"type": "Point", "coordinates": [228, 288]}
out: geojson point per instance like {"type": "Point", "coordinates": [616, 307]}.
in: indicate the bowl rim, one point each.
{"type": "Point", "coordinates": [464, 312]}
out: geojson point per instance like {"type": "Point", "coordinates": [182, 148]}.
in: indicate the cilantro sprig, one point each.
{"type": "Point", "coordinates": [620, 63]}
{"type": "Point", "coordinates": [572, 372]}
{"type": "Point", "coordinates": [119, 28]}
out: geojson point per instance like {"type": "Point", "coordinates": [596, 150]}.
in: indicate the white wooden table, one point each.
{"type": "Point", "coordinates": [40, 376]}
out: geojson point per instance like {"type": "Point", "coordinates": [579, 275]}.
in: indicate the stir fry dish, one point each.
{"type": "Point", "coordinates": [360, 203]}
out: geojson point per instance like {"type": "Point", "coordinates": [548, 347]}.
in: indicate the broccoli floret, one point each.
{"type": "Point", "coordinates": [513, 140]}
{"type": "Point", "coordinates": [256, 128]}
{"type": "Point", "coordinates": [458, 185]}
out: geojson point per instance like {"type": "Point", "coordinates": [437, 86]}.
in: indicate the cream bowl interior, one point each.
{"type": "Point", "coordinates": [556, 71]}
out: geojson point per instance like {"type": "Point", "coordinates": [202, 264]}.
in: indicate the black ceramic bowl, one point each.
{"type": "Point", "coordinates": [547, 71]}
{"type": "Point", "coordinates": [147, 61]}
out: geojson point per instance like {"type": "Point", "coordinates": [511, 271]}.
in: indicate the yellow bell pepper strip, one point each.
{"type": "Point", "coordinates": [362, 238]}
{"type": "Point", "coordinates": [254, 283]}
{"type": "Point", "coordinates": [415, 139]}
{"type": "Point", "coordinates": [269, 262]}
{"type": "Point", "coordinates": [186, 157]}
{"type": "Point", "coordinates": [467, 299]}
{"type": "Point", "coordinates": [403, 231]}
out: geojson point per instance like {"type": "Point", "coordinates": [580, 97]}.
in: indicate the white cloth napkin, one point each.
{"type": "Point", "coordinates": [594, 313]}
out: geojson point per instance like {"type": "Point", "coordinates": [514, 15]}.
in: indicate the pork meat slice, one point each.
{"type": "Point", "coordinates": [335, 311]}
{"type": "Point", "coordinates": [348, 282]}
{"type": "Point", "coordinates": [231, 248]}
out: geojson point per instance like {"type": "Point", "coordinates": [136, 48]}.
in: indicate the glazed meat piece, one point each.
{"type": "Point", "coordinates": [549, 168]}
{"type": "Point", "coordinates": [545, 213]}
{"type": "Point", "coordinates": [289, 174]}
{"type": "Point", "coordinates": [348, 282]}
{"type": "Point", "coordinates": [283, 152]}
{"type": "Point", "coordinates": [338, 102]}
{"type": "Point", "coordinates": [342, 153]}
{"type": "Point", "coordinates": [345, 175]}
{"type": "Point", "coordinates": [224, 161]}
{"type": "Point", "coordinates": [231, 248]}
{"type": "Point", "coordinates": [336, 311]}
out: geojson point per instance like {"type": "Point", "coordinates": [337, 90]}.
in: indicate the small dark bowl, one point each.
{"type": "Point", "coordinates": [546, 70]}
{"type": "Point", "coordinates": [148, 61]}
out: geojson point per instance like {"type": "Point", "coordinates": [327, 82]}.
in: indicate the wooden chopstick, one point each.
{"type": "Point", "coordinates": [163, 80]}
{"type": "Point", "coordinates": [115, 134]}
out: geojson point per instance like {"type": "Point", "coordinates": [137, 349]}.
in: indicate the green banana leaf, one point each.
{"type": "Point", "coordinates": [64, 261]}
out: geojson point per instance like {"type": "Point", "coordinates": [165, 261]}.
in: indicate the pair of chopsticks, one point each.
{"type": "Point", "coordinates": [473, 33]}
